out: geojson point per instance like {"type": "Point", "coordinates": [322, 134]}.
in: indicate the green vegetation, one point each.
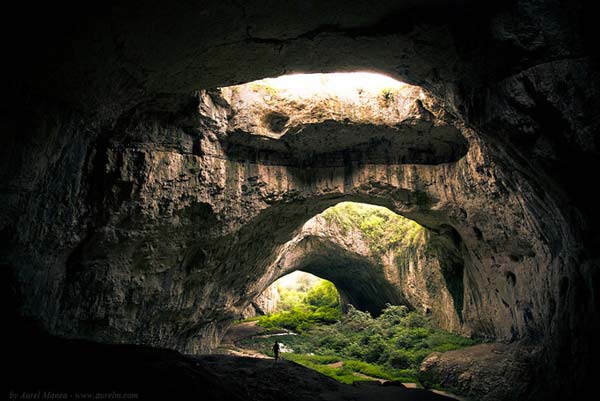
{"type": "Point", "coordinates": [261, 87]}
{"type": "Point", "coordinates": [381, 227]}
{"type": "Point", "coordinates": [324, 365]}
{"type": "Point", "coordinates": [344, 370]}
{"type": "Point", "coordinates": [391, 346]}
{"type": "Point", "coordinates": [303, 308]}
{"type": "Point", "coordinates": [387, 95]}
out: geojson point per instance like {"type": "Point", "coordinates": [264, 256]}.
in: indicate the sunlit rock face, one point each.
{"type": "Point", "coordinates": [333, 120]}
{"type": "Point", "coordinates": [263, 304]}
{"type": "Point", "coordinates": [129, 215]}
{"type": "Point", "coordinates": [271, 106]}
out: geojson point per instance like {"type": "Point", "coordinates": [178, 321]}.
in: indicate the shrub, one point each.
{"type": "Point", "coordinates": [354, 351]}
{"type": "Point", "coordinates": [323, 295]}
{"type": "Point", "coordinates": [381, 227]}
{"type": "Point", "coordinates": [393, 315]}
{"type": "Point", "coordinates": [376, 351]}
{"type": "Point", "coordinates": [400, 359]}
{"type": "Point", "coordinates": [414, 319]}
{"type": "Point", "coordinates": [356, 320]}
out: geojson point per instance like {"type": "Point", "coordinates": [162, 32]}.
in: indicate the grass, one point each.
{"type": "Point", "coordinates": [346, 372]}
{"type": "Point", "coordinates": [321, 363]}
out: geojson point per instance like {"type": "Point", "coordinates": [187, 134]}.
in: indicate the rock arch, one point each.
{"type": "Point", "coordinates": [425, 273]}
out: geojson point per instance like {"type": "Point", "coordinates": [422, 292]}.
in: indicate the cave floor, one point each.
{"type": "Point", "coordinates": [264, 379]}
{"type": "Point", "coordinates": [230, 343]}
{"type": "Point", "coordinates": [285, 375]}
{"type": "Point", "coordinates": [80, 369]}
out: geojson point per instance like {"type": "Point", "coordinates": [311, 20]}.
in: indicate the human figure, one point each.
{"type": "Point", "coordinates": [276, 350]}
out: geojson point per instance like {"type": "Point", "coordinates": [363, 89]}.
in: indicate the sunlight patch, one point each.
{"type": "Point", "coordinates": [272, 106]}
{"type": "Point", "coordinates": [343, 85]}
{"type": "Point", "coordinates": [298, 281]}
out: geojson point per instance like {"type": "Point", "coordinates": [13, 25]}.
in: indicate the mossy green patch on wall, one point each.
{"type": "Point", "coordinates": [382, 228]}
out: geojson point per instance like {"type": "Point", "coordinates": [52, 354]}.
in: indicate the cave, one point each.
{"type": "Point", "coordinates": [149, 193]}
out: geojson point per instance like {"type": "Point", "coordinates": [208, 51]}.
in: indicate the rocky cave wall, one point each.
{"type": "Point", "coordinates": [125, 220]}
{"type": "Point", "coordinates": [263, 304]}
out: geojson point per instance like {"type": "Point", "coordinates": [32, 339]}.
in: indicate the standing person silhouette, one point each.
{"type": "Point", "coordinates": [276, 351]}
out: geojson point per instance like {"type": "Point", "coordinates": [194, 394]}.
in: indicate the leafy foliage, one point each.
{"type": "Point", "coordinates": [321, 304]}
{"type": "Point", "coordinates": [381, 227]}
{"type": "Point", "coordinates": [391, 346]}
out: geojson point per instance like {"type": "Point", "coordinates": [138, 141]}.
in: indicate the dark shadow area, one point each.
{"type": "Point", "coordinates": [521, 75]}
{"type": "Point", "coordinates": [449, 245]}
{"type": "Point", "coordinates": [360, 283]}
{"type": "Point", "coordinates": [44, 364]}
{"type": "Point", "coordinates": [337, 143]}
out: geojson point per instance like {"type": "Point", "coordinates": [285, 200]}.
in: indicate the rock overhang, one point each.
{"type": "Point", "coordinates": [330, 120]}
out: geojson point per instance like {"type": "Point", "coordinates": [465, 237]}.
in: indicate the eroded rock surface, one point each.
{"type": "Point", "coordinates": [263, 304]}
{"type": "Point", "coordinates": [486, 372]}
{"type": "Point", "coordinates": [399, 124]}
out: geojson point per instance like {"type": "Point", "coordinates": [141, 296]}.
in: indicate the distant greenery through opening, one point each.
{"type": "Point", "coordinates": [304, 301]}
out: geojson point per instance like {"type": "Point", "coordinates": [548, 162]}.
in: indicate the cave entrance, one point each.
{"type": "Point", "coordinates": [375, 258]}
{"type": "Point", "coordinates": [331, 120]}
{"type": "Point", "coordinates": [303, 297]}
